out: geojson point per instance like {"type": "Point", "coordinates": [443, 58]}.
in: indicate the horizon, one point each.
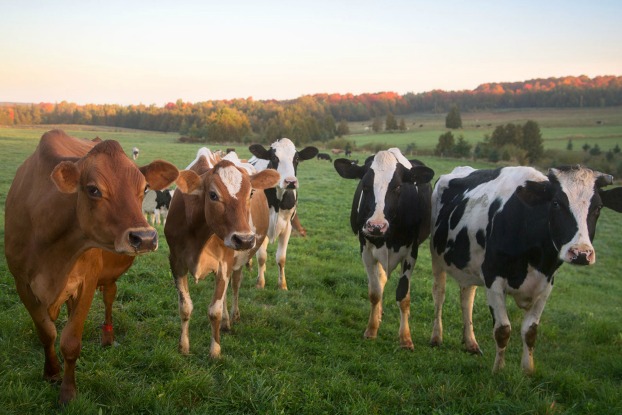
{"type": "Point", "coordinates": [152, 54]}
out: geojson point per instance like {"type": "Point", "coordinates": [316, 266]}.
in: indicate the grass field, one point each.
{"type": "Point", "coordinates": [302, 351]}
{"type": "Point", "coordinates": [557, 127]}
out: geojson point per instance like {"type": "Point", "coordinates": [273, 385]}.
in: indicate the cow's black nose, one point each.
{"type": "Point", "coordinates": [243, 241]}
{"type": "Point", "coordinates": [143, 240]}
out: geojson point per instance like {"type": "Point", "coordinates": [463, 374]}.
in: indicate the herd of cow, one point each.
{"type": "Point", "coordinates": [508, 229]}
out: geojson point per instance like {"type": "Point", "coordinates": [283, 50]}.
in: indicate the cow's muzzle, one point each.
{"type": "Point", "coordinates": [138, 240]}
{"type": "Point", "coordinates": [376, 228]}
{"type": "Point", "coordinates": [241, 241]}
{"type": "Point", "coordinates": [581, 255]}
{"type": "Point", "coordinates": [290, 183]}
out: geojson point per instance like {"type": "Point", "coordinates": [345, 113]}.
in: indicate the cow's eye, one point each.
{"type": "Point", "coordinates": [213, 196]}
{"type": "Point", "coordinates": [397, 189]}
{"type": "Point", "coordinates": [252, 193]}
{"type": "Point", "coordinates": [93, 191]}
{"type": "Point", "coordinates": [555, 204]}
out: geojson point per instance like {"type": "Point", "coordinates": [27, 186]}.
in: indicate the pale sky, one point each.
{"type": "Point", "coordinates": [154, 52]}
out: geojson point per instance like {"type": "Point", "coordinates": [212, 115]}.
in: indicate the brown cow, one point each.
{"type": "Point", "coordinates": [215, 224]}
{"type": "Point", "coordinates": [70, 203]}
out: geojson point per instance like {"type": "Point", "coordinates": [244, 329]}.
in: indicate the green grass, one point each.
{"type": "Point", "coordinates": [302, 351]}
{"type": "Point", "coordinates": [557, 127]}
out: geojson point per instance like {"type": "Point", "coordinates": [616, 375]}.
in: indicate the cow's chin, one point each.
{"type": "Point", "coordinates": [373, 235]}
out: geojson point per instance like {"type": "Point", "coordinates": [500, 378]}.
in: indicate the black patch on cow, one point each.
{"type": "Point", "coordinates": [406, 266]}
{"type": "Point", "coordinates": [457, 214]}
{"type": "Point", "coordinates": [163, 199]}
{"type": "Point", "coordinates": [289, 200]}
{"type": "Point", "coordinates": [402, 288]}
{"type": "Point", "coordinates": [492, 314]}
{"type": "Point", "coordinates": [273, 200]}
{"type": "Point", "coordinates": [480, 237]}
{"type": "Point", "coordinates": [458, 252]}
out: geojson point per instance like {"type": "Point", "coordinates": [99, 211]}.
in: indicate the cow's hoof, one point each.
{"type": "Point", "coordinates": [407, 345]}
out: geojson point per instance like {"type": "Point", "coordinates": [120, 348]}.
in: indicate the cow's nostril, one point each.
{"type": "Point", "coordinates": [243, 241]}
{"type": "Point", "coordinates": [143, 240]}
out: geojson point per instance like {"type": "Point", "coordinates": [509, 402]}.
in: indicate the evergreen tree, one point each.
{"type": "Point", "coordinates": [390, 123]}
{"type": "Point", "coordinates": [343, 128]}
{"type": "Point", "coordinates": [453, 119]}
{"type": "Point", "coordinates": [376, 125]}
{"type": "Point", "coordinates": [402, 126]}
{"type": "Point", "coordinates": [532, 141]}
{"type": "Point", "coordinates": [445, 146]}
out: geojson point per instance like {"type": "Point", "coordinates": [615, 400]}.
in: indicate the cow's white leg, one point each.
{"type": "Point", "coordinates": [262, 256]}
{"type": "Point", "coordinates": [236, 281]}
{"type": "Point", "coordinates": [467, 296]}
{"type": "Point", "coordinates": [438, 294]}
{"type": "Point", "coordinates": [185, 311]}
{"type": "Point", "coordinates": [402, 296]}
{"type": "Point", "coordinates": [376, 280]}
{"type": "Point", "coordinates": [502, 327]}
{"type": "Point", "coordinates": [281, 253]}
{"type": "Point", "coordinates": [215, 311]}
{"type": "Point", "coordinates": [529, 329]}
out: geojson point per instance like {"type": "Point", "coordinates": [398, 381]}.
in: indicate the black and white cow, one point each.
{"type": "Point", "coordinates": [391, 216]}
{"type": "Point", "coordinates": [283, 157]}
{"type": "Point", "coordinates": [510, 229]}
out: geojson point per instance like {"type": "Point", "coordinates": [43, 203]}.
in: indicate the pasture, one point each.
{"type": "Point", "coordinates": [302, 351]}
{"type": "Point", "coordinates": [602, 126]}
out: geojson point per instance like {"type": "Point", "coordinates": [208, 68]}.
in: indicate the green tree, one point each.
{"type": "Point", "coordinates": [376, 125]}
{"type": "Point", "coordinates": [343, 128]}
{"type": "Point", "coordinates": [445, 146]}
{"type": "Point", "coordinates": [402, 126]}
{"type": "Point", "coordinates": [390, 123]}
{"type": "Point", "coordinates": [532, 141]}
{"type": "Point", "coordinates": [453, 119]}
{"type": "Point", "coordinates": [462, 148]}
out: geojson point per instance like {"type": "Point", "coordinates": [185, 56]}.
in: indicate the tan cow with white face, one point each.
{"type": "Point", "coordinates": [69, 201]}
{"type": "Point", "coordinates": [216, 223]}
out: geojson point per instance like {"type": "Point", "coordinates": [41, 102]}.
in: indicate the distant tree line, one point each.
{"type": "Point", "coordinates": [312, 117]}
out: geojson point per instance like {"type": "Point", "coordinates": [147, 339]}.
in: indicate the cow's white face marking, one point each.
{"type": "Point", "coordinates": [232, 179]}
{"type": "Point", "coordinates": [285, 151]}
{"type": "Point", "coordinates": [384, 166]}
{"type": "Point", "coordinates": [578, 185]}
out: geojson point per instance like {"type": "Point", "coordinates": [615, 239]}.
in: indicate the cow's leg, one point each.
{"type": "Point", "coordinates": [281, 253]}
{"type": "Point", "coordinates": [467, 296]}
{"type": "Point", "coordinates": [46, 330]}
{"type": "Point", "coordinates": [215, 310]}
{"type": "Point", "coordinates": [262, 256]}
{"type": "Point", "coordinates": [438, 294]}
{"type": "Point", "coordinates": [185, 311]}
{"type": "Point", "coordinates": [109, 292]}
{"type": "Point", "coordinates": [71, 336]}
{"type": "Point", "coordinates": [502, 327]}
{"type": "Point", "coordinates": [236, 282]}
{"type": "Point", "coordinates": [529, 329]}
{"type": "Point", "coordinates": [376, 280]}
{"type": "Point", "coordinates": [402, 296]}
{"type": "Point", "coordinates": [156, 216]}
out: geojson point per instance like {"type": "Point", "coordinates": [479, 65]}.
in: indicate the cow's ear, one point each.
{"type": "Point", "coordinates": [259, 151]}
{"type": "Point", "coordinates": [66, 177]}
{"type": "Point", "coordinates": [189, 182]}
{"type": "Point", "coordinates": [308, 153]}
{"type": "Point", "coordinates": [612, 198]}
{"type": "Point", "coordinates": [603, 180]}
{"type": "Point", "coordinates": [349, 170]}
{"type": "Point", "coordinates": [159, 174]}
{"type": "Point", "coordinates": [420, 174]}
{"type": "Point", "coordinates": [535, 193]}
{"type": "Point", "coordinates": [265, 179]}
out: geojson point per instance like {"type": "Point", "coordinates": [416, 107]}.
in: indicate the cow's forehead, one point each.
{"type": "Point", "coordinates": [232, 179]}
{"type": "Point", "coordinates": [577, 183]}
{"type": "Point", "coordinates": [284, 149]}
{"type": "Point", "coordinates": [385, 162]}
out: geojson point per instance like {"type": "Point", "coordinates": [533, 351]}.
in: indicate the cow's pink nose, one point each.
{"type": "Point", "coordinates": [581, 255]}
{"type": "Point", "coordinates": [291, 183]}
{"type": "Point", "coordinates": [376, 227]}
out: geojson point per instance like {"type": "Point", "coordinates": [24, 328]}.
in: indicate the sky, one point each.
{"type": "Point", "coordinates": [154, 52]}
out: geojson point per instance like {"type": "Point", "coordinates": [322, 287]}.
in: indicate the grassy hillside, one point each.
{"type": "Point", "coordinates": [303, 351]}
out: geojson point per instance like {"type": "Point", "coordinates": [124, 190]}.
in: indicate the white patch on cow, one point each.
{"type": "Point", "coordinates": [384, 166]}
{"type": "Point", "coordinates": [285, 151]}
{"type": "Point", "coordinates": [578, 185]}
{"type": "Point", "coordinates": [210, 157]}
{"type": "Point", "coordinates": [233, 158]}
{"type": "Point", "coordinates": [232, 179]}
